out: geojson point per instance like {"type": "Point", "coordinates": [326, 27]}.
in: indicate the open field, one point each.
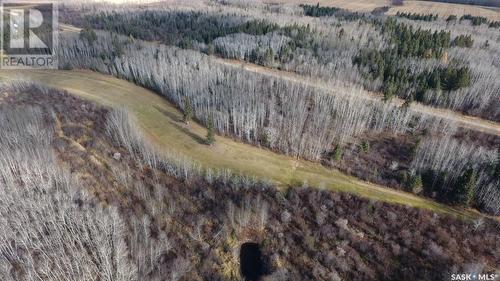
{"type": "Point", "coordinates": [162, 123]}
{"type": "Point", "coordinates": [421, 7]}
{"type": "Point", "coordinates": [445, 9]}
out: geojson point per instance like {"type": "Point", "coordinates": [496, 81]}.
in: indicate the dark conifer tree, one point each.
{"type": "Point", "coordinates": [466, 186]}
{"type": "Point", "coordinates": [188, 111]}
{"type": "Point", "coordinates": [210, 140]}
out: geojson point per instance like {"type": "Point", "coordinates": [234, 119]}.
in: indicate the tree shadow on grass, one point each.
{"type": "Point", "coordinates": [174, 120]}
{"type": "Point", "coordinates": [174, 117]}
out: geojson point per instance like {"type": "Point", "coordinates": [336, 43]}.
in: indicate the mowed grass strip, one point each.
{"type": "Point", "coordinates": [162, 123]}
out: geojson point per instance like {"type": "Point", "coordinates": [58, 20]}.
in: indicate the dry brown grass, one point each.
{"type": "Point", "coordinates": [421, 7]}
{"type": "Point", "coordinates": [444, 9]}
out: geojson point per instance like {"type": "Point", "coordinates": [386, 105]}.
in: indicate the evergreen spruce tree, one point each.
{"type": "Point", "coordinates": [210, 49]}
{"type": "Point", "coordinates": [497, 166]}
{"type": "Point", "coordinates": [421, 90]}
{"type": "Point", "coordinates": [269, 57]}
{"type": "Point", "coordinates": [365, 146]}
{"type": "Point", "coordinates": [188, 111]}
{"type": "Point", "coordinates": [117, 47]}
{"type": "Point", "coordinates": [416, 184]}
{"type": "Point", "coordinates": [451, 18]}
{"type": "Point", "coordinates": [210, 131]}
{"type": "Point", "coordinates": [337, 153]}
{"type": "Point", "coordinates": [463, 77]}
{"type": "Point", "coordinates": [88, 34]}
{"type": "Point", "coordinates": [466, 186]}
{"type": "Point", "coordinates": [390, 90]}
{"type": "Point", "coordinates": [437, 81]}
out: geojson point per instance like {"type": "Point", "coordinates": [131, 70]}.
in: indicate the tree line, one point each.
{"type": "Point", "coordinates": [474, 20]}
{"type": "Point", "coordinates": [491, 3]}
{"type": "Point", "coordinates": [322, 11]}
{"type": "Point", "coordinates": [319, 11]}
{"type": "Point", "coordinates": [459, 173]}
{"type": "Point", "coordinates": [415, 16]}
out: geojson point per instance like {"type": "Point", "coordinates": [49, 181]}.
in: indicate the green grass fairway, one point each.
{"type": "Point", "coordinates": [162, 123]}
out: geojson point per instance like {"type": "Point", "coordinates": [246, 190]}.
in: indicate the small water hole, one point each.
{"type": "Point", "coordinates": [251, 264]}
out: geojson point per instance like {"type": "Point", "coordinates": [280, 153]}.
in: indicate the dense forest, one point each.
{"type": "Point", "coordinates": [211, 33]}
{"type": "Point", "coordinates": [333, 44]}
{"type": "Point", "coordinates": [183, 29]}
{"type": "Point", "coordinates": [320, 11]}
{"type": "Point", "coordinates": [400, 79]}
{"type": "Point", "coordinates": [100, 202]}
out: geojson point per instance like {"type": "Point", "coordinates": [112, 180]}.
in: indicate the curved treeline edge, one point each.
{"type": "Point", "coordinates": [321, 11]}
{"type": "Point", "coordinates": [415, 16]}
{"type": "Point", "coordinates": [474, 20]}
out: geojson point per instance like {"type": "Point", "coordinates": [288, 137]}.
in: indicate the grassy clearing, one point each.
{"type": "Point", "coordinates": [163, 124]}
